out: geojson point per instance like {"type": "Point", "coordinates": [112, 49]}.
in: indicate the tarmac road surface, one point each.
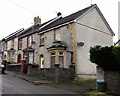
{"type": "Point", "coordinates": [13, 85]}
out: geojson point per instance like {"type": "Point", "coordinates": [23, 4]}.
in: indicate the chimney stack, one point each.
{"type": "Point", "coordinates": [37, 20]}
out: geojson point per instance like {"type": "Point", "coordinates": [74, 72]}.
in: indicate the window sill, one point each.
{"type": "Point", "coordinates": [56, 41]}
{"type": "Point", "coordinates": [41, 45]}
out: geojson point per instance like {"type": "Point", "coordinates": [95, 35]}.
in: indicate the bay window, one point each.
{"type": "Point", "coordinates": [57, 58]}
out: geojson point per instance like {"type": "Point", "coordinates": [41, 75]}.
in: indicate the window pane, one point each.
{"type": "Point", "coordinates": [41, 39]}
{"type": "Point", "coordinates": [52, 61]}
{"type": "Point", "coordinates": [29, 41]}
{"type": "Point", "coordinates": [60, 53]}
{"type": "Point", "coordinates": [30, 58]}
{"type": "Point", "coordinates": [52, 53]}
{"type": "Point", "coordinates": [57, 35]}
{"type": "Point", "coordinates": [61, 61]}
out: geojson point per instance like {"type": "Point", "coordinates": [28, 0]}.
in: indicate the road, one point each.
{"type": "Point", "coordinates": [14, 85]}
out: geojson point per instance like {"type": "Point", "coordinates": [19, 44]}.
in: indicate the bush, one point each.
{"type": "Point", "coordinates": [106, 57]}
{"type": "Point", "coordinates": [12, 62]}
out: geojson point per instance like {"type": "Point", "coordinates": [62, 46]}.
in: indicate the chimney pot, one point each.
{"type": "Point", "coordinates": [59, 14]}
{"type": "Point", "coordinates": [37, 20]}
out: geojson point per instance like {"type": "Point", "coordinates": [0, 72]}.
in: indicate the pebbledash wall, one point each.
{"type": "Point", "coordinates": [91, 32]}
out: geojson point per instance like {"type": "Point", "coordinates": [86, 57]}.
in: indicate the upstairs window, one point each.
{"type": "Point", "coordinates": [41, 39]}
{"type": "Point", "coordinates": [20, 44]}
{"type": "Point", "coordinates": [57, 35]}
{"type": "Point", "coordinates": [12, 43]}
{"type": "Point", "coordinates": [5, 46]}
{"type": "Point", "coordinates": [29, 41]}
{"type": "Point", "coordinates": [57, 58]}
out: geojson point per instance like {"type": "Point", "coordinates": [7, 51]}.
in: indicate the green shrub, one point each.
{"type": "Point", "coordinates": [11, 62]}
{"type": "Point", "coordinates": [106, 57]}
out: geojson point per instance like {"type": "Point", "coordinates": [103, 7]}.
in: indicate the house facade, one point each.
{"type": "Point", "coordinates": [27, 43]}
{"type": "Point", "coordinates": [63, 41]}
{"type": "Point", "coordinates": [1, 50]}
{"type": "Point", "coordinates": [67, 41]}
{"type": "Point", "coordinates": [11, 47]}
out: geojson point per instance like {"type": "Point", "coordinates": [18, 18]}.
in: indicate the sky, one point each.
{"type": "Point", "coordinates": [17, 14]}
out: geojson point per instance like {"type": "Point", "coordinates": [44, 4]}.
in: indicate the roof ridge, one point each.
{"type": "Point", "coordinates": [66, 19]}
{"type": "Point", "coordinates": [86, 8]}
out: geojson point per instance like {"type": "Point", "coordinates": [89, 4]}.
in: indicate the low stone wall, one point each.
{"type": "Point", "coordinates": [112, 79]}
{"type": "Point", "coordinates": [56, 74]}
{"type": "Point", "coordinates": [14, 67]}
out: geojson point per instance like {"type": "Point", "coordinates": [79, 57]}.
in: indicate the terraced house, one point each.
{"type": "Point", "coordinates": [11, 47]}
{"type": "Point", "coordinates": [65, 41]}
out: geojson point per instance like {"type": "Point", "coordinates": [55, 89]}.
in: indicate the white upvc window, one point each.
{"type": "Point", "coordinates": [52, 59]}
{"type": "Point", "coordinates": [57, 57]}
{"type": "Point", "coordinates": [57, 35]}
{"type": "Point", "coordinates": [61, 58]}
{"type": "Point", "coordinates": [29, 41]}
{"type": "Point", "coordinates": [6, 46]}
{"type": "Point", "coordinates": [12, 42]}
{"type": "Point", "coordinates": [41, 39]}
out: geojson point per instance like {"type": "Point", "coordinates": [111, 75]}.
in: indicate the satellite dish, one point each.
{"type": "Point", "coordinates": [80, 44]}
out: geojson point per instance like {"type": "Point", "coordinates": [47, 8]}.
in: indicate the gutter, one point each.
{"type": "Point", "coordinates": [49, 23]}
{"type": "Point", "coordinates": [56, 27]}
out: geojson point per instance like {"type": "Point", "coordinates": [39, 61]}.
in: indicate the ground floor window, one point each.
{"type": "Point", "coordinates": [57, 57]}
{"type": "Point", "coordinates": [52, 59]}
{"type": "Point", "coordinates": [61, 59]}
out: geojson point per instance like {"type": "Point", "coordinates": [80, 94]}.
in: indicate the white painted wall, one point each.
{"type": "Point", "coordinates": [90, 37]}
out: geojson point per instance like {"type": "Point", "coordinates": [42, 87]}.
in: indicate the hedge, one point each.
{"type": "Point", "coordinates": [106, 57]}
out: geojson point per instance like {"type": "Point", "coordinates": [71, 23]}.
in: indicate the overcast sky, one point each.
{"type": "Point", "coordinates": [17, 14]}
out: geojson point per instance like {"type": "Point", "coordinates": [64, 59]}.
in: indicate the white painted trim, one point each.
{"type": "Point", "coordinates": [49, 22]}
{"type": "Point", "coordinates": [55, 27]}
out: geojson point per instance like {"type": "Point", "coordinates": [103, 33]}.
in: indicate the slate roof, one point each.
{"type": "Point", "coordinates": [33, 29]}
{"type": "Point", "coordinates": [59, 21]}
{"type": "Point", "coordinates": [72, 17]}
{"type": "Point", "coordinates": [13, 35]}
{"type": "Point", "coordinates": [57, 45]}
{"type": "Point", "coordinates": [66, 19]}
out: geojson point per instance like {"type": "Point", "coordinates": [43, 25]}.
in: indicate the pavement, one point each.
{"type": "Point", "coordinates": [77, 88]}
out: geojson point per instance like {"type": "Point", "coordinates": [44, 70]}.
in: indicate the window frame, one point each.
{"type": "Point", "coordinates": [42, 39]}
{"type": "Point", "coordinates": [20, 44]}
{"type": "Point", "coordinates": [57, 34]}
{"type": "Point", "coordinates": [29, 41]}
{"type": "Point", "coordinates": [57, 56]}
{"type": "Point", "coordinates": [12, 43]}
{"type": "Point", "coordinates": [6, 44]}
{"type": "Point", "coordinates": [51, 56]}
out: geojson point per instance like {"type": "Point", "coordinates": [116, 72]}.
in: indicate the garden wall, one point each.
{"type": "Point", "coordinates": [56, 74]}
{"type": "Point", "coordinates": [112, 79]}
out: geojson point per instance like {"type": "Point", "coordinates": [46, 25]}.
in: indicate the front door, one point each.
{"type": "Point", "coordinates": [41, 61]}
{"type": "Point", "coordinates": [30, 57]}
